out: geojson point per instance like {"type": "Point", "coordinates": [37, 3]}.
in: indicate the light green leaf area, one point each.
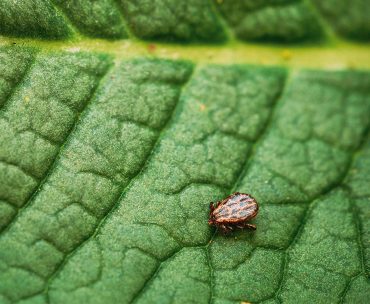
{"type": "Point", "coordinates": [111, 151]}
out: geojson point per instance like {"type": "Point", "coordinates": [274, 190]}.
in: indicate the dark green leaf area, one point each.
{"type": "Point", "coordinates": [107, 169]}
{"type": "Point", "coordinates": [187, 21]}
{"type": "Point", "coordinates": [32, 18]}
{"type": "Point", "coordinates": [281, 20]}
{"type": "Point", "coordinates": [98, 18]}
{"type": "Point", "coordinates": [42, 107]}
{"type": "Point", "coordinates": [348, 18]}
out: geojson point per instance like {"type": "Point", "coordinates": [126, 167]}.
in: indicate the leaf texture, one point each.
{"type": "Point", "coordinates": [188, 21]}
{"type": "Point", "coordinates": [108, 162]}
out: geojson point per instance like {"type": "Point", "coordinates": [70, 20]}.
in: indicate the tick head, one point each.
{"type": "Point", "coordinates": [211, 221]}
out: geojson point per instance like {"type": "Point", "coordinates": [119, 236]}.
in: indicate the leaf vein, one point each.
{"type": "Point", "coordinates": [18, 84]}
{"type": "Point", "coordinates": [122, 193]}
{"type": "Point", "coordinates": [238, 178]}
{"type": "Point", "coordinates": [308, 211]}
{"type": "Point", "coordinates": [54, 162]}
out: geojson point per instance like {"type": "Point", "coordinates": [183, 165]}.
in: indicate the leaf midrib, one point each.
{"type": "Point", "coordinates": [339, 54]}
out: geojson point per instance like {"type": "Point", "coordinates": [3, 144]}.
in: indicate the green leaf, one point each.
{"type": "Point", "coordinates": [192, 20]}
{"type": "Point", "coordinates": [111, 150]}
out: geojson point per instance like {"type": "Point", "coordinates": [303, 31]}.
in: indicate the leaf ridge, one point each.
{"type": "Point", "coordinates": [121, 194]}
{"type": "Point", "coordinates": [25, 171]}
{"type": "Point", "coordinates": [229, 34]}
{"type": "Point", "coordinates": [359, 240]}
{"type": "Point", "coordinates": [129, 33]}
{"type": "Point", "coordinates": [18, 84]}
{"type": "Point", "coordinates": [307, 214]}
{"type": "Point", "coordinates": [74, 30]}
{"type": "Point", "coordinates": [347, 288]}
{"type": "Point", "coordinates": [239, 176]}
{"type": "Point", "coordinates": [53, 164]}
{"type": "Point", "coordinates": [324, 24]}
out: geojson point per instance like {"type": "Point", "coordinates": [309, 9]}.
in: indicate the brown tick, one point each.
{"type": "Point", "coordinates": [233, 212]}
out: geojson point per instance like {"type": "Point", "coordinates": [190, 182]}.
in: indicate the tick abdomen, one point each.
{"type": "Point", "coordinates": [236, 208]}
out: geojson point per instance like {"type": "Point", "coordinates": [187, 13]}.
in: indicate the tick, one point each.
{"type": "Point", "coordinates": [233, 212]}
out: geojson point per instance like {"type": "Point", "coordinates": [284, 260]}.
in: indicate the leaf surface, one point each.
{"type": "Point", "coordinates": [111, 151]}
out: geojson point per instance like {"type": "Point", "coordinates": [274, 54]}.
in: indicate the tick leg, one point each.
{"type": "Point", "coordinates": [211, 208]}
{"type": "Point", "coordinates": [245, 225]}
{"type": "Point", "coordinates": [225, 229]}
{"type": "Point", "coordinates": [251, 226]}
{"type": "Point", "coordinates": [231, 228]}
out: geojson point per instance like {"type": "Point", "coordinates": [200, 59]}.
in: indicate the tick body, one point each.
{"type": "Point", "coordinates": [233, 212]}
